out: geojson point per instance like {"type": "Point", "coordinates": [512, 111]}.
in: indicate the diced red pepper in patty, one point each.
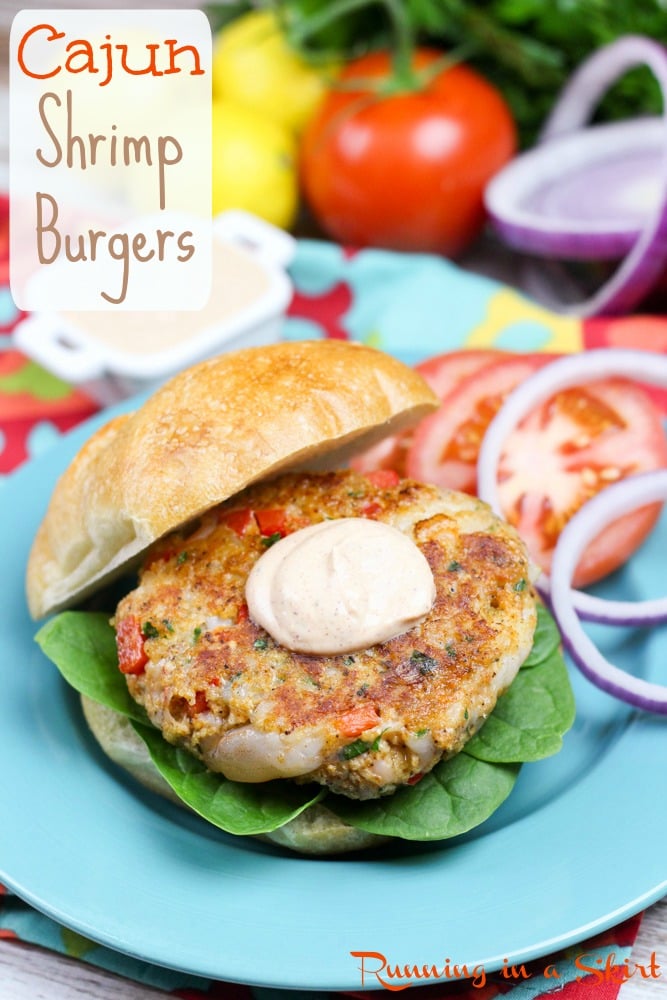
{"type": "Point", "coordinates": [383, 479]}
{"type": "Point", "coordinates": [272, 522]}
{"type": "Point", "coordinates": [239, 520]}
{"type": "Point", "coordinates": [371, 508]}
{"type": "Point", "coordinates": [357, 720]}
{"type": "Point", "coordinates": [132, 657]}
{"type": "Point", "coordinates": [201, 703]}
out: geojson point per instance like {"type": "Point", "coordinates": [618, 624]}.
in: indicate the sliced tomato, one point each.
{"type": "Point", "coordinates": [639, 333]}
{"type": "Point", "coordinates": [387, 455]}
{"type": "Point", "coordinates": [443, 373]}
{"type": "Point", "coordinates": [132, 656]}
{"type": "Point", "coordinates": [569, 449]}
{"type": "Point", "coordinates": [445, 446]}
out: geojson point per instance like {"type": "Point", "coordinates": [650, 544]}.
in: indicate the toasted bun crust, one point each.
{"type": "Point", "coordinates": [204, 436]}
{"type": "Point", "coordinates": [317, 831]}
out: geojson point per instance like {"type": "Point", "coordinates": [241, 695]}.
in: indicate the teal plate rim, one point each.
{"type": "Point", "coordinates": [577, 848]}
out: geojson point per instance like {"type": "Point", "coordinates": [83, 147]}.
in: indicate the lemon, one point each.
{"type": "Point", "coordinates": [254, 65]}
{"type": "Point", "coordinates": [254, 164]}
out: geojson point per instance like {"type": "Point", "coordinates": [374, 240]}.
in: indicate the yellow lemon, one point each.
{"type": "Point", "coordinates": [254, 165]}
{"type": "Point", "coordinates": [254, 65]}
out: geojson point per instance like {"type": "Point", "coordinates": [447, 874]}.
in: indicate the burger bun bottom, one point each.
{"type": "Point", "coordinates": [317, 831]}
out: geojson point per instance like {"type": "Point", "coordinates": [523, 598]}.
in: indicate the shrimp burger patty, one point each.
{"type": "Point", "coordinates": [398, 635]}
{"type": "Point", "coordinates": [216, 683]}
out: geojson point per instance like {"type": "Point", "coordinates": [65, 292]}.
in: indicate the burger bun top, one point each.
{"type": "Point", "coordinates": [203, 437]}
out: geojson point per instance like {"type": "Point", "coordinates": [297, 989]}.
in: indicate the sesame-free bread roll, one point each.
{"type": "Point", "coordinates": [202, 437]}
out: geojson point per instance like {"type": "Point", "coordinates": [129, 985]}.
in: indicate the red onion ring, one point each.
{"type": "Point", "coordinates": [563, 373]}
{"type": "Point", "coordinates": [646, 261]}
{"type": "Point", "coordinates": [591, 80]}
{"type": "Point", "coordinates": [613, 502]}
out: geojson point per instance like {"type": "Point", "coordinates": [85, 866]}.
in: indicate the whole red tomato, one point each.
{"type": "Point", "coordinates": [405, 170]}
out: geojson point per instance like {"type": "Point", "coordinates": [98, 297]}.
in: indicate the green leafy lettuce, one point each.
{"type": "Point", "coordinates": [527, 724]}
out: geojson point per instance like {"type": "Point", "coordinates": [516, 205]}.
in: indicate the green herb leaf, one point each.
{"type": "Point", "coordinates": [271, 539]}
{"type": "Point", "coordinates": [355, 749]}
{"type": "Point", "coordinates": [426, 663]}
{"type": "Point", "coordinates": [361, 746]}
{"type": "Point", "coordinates": [526, 48]}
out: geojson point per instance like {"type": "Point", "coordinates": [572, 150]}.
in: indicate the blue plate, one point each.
{"type": "Point", "coordinates": [578, 846]}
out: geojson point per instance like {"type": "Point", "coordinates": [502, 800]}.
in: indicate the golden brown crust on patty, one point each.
{"type": "Point", "coordinates": [203, 437]}
{"type": "Point", "coordinates": [363, 723]}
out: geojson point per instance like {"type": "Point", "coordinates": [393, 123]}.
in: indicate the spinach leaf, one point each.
{"type": "Point", "coordinates": [454, 797]}
{"type": "Point", "coordinates": [82, 644]}
{"type": "Point", "coordinates": [83, 647]}
{"type": "Point", "coordinates": [458, 794]}
{"type": "Point", "coordinates": [546, 639]}
{"type": "Point", "coordinates": [530, 719]}
{"type": "Point", "coordinates": [237, 808]}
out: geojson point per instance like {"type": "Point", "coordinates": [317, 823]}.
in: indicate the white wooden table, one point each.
{"type": "Point", "coordinates": [28, 973]}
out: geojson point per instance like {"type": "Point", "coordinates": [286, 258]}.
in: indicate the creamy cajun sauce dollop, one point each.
{"type": "Point", "coordinates": [340, 586]}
